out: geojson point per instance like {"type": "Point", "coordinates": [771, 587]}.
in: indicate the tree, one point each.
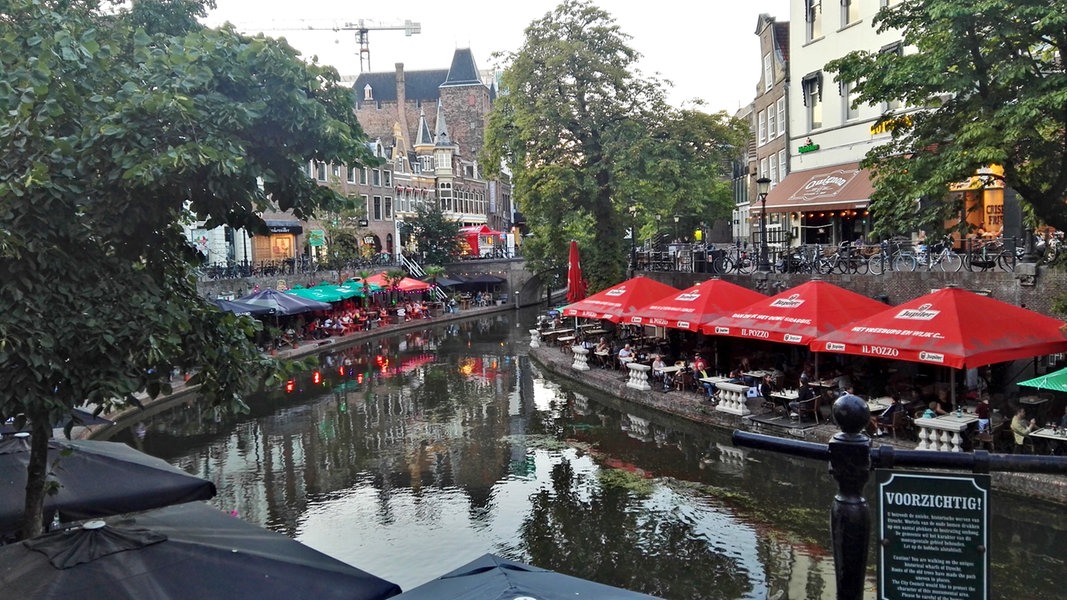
{"type": "Point", "coordinates": [438, 236]}
{"type": "Point", "coordinates": [990, 82]}
{"type": "Point", "coordinates": [583, 134]}
{"type": "Point", "coordinates": [120, 123]}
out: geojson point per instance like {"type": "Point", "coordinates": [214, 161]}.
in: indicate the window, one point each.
{"type": "Point", "coordinates": [363, 176]}
{"type": "Point", "coordinates": [376, 178]}
{"type": "Point", "coordinates": [772, 123]}
{"type": "Point", "coordinates": [772, 169]}
{"type": "Point", "coordinates": [387, 178]}
{"type": "Point", "coordinates": [320, 171]}
{"type": "Point", "coordinates": [351, 174]}
{"type": "Point", "coordinates": [336, 170]}
{"type": "Point", "coordinates": [783, 170]}
{"type": "Point", "coordinates": [768, 72]}
{"type": "Point", "coordinates": [848, 92]}
{"type": "Point", "coordinates": [762, 127]}
{"type": "Point", "coordinates": [366, 204]}
{"type": "Point", "coordinates": [781, 115]}
{"type": "Point", "coordinates": [376, 209]}
{"type": "Point", "coordinates": [850, 12]}
{"type": "Point", "coordinates": [444, 192]}
{"type": "Point", "coordinates": [388, 208]}
{"type": "Point", "coordinates": [764, 167]}
{"type": "Point", "coordinates": [813, 19]}
{"type": "Point", "coordinates": [811, 85]}
{"type": "Point", "coordinates": [898, 49]}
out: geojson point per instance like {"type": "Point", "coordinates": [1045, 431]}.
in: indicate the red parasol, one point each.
{"type": "Point", "coordinates": [621, 300]}
{"type": "Point", "coordinates": [695, 305]}
{"type": "Point", "coordinates": [576, 286]}
{"type": "Point", "coordinates": [951, 327]}
{"type": "Point", "coordinates": [406, 284]}
{"type": "Point", "coordinates": [797, 315]}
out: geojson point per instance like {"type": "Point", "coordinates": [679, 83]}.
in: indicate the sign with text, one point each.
{"type": "Point", "coordinates": [933, 529]}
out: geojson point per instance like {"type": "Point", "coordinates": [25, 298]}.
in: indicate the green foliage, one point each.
{"type": "Point", "coordinates": [438, 236]}
{"type": "Point", "coordinates": [990, 78]}
{"type": "Point", "coordinates": [583, 134]}
{"type": "Point", "coordinates": [114, 133]}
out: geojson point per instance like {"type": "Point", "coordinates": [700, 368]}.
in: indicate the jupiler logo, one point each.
{"type": "Point", "coordinates": [919, 313]}
{"type": "Point", "coordinates": [835, 346]}
{"type": "Point", "coordinates": [690, 297]}
{"type": "Point", "coordinates": [683, 324]}
{"type": "Point", "coordinates": [722, 331]}
{"type": "Point", "coordinates": [791, 338]}
{"type": "Point", "coordinates": [936, 357]}
{"type": "Point", "coordinates": [793, 301]}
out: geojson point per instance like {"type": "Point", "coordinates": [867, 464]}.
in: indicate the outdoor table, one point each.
{"type": "Point", "coordinates": [603, 358]}
{"type": "Point", "coordinates": [565, 341]}
{"type": "Point", "coordinates": [600, 331]}
{"type": "Point", "coordinates": [1054, 437]}
{"type": "Point", "coordinates": [944, 433]}
{"type": "Point", "coordinates": [878, 406]}
{"type": "Point", "coordinates": [782, 398]}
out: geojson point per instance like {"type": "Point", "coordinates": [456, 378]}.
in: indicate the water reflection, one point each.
{"type": "Point", "coordinates": [411, 455]}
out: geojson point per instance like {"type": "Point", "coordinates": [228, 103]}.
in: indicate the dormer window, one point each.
{"type": "Point", "coordinates": [368, 92]}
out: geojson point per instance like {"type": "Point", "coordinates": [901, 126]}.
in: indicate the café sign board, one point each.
{"type": "Point", "coordinates": [933, 529]}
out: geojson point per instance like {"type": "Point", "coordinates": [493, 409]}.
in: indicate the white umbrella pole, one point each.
{"type": "Point", "coordinates": [952, 387]}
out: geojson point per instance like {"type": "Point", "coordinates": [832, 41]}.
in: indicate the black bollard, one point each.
{"type": "Point", "coordinates": [850, 516]}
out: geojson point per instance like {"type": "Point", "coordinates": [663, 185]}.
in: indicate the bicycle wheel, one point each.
{"type": "Point", "coordinates": [1006, 262]}
{"type": "Point", "coordinates": [950, 262]}
{"type": "Point", "coordinates": [858, 265]}
{"type": "Point", "coordinates": [877, 264]}
{"type": "Point", "coordinates": [904, 262]}
{"type": "Point", "coordinates": [824, 265]}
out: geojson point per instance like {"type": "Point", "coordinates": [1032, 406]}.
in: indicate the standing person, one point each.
{"type": "Point", "coordinates": [1021, 429]}
{"type": "Point", "coordinates": [982, 412]}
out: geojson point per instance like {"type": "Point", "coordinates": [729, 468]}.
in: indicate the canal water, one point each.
{"type": "Point", "coordinates": [412, 454]}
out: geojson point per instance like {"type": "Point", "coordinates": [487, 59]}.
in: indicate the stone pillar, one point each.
{"type": "Point", "coordinates": [581, 358]}
{"type": "Point", "coordinates": [638, 376]}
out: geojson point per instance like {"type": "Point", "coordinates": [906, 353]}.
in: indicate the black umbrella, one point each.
{"type": "Point", "coordinates": [491, 577]}
{"type": "Point", "coordinates": [95, 479]}
{"type": "Point", "coordinates": [442, 281]}
{"type": "Point", "coordinates": [244, 308]}
{"type": "Point", "coordinates": [179, 552]}
{"type": "Point", "coordinates": [282, 303]}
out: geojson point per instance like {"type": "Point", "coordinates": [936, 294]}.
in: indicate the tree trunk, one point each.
{"type": "Point", "coordinates": [36, 478]}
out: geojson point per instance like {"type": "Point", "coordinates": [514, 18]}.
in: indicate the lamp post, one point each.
{"type": "Point", "coordinates": [763, 185]}
{"type": "Point", "coordinates": [676, 219]}
{"type": "Point", "coordinates": [633, 238]}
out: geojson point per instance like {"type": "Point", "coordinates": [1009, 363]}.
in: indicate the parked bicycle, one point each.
{"type": "Point", "coordinates": [941, 256]}
{"type": "Point", "coordinates": [985, 255]}
{"type": "Point", "coordinates": [843, 260]}
{"type": "Point", "coordinates": [740, 259]}
{"type": "Point", "coordinates": [894, 254]}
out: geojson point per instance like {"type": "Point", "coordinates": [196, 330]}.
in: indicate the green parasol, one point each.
{"type": "Point", "coordinates": [1055, 381]}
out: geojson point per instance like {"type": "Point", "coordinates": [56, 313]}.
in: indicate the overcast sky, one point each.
{"type": "Point", "coordinates": [708, 50]}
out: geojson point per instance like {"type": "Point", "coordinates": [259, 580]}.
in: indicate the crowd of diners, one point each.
{"type": "Point", "coordinates": [682, 361]}
{"type": "Point", "coordinates": [342, 319]}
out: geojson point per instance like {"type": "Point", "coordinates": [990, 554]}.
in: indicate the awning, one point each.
{"type": "Point", "coordinates": [278, 226]}
{"type": "Point", "coordinates": [836, 187]}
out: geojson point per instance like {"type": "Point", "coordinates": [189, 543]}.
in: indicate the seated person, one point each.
{"type": "Point", "coordinates": [886, 418]}
{"type": "Point", "coordinates": [765, 391]}
{"type": "Point", "coordinates": [930, 412]}
{"type": "Point", "coordinates": [657, 369]}
{"type": "Point", "coordinates": [1021, 429]}
{"type": "Point", "coordinates": [602, 346]}
{"type": "Point", "coordinates": [805, 398]}
{"type": "Point", "coordinates": [700, 365]}
{"type": "Point", "coordinates": [625, 355]}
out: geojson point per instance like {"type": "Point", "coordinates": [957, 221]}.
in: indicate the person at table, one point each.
{"type": "Point", "coordinates": [625, 355]}
{"type": "Point", "coordinates": [944, 402]}
{"type": "Point", "coordinates": [658, 365]}
{"type": "Point", "coordinates": [878, 422]}
{"type": "Point", "coordinates": [602, 346]}
{"type": "Point", "coordinates": [765, 391]}
{"type": "Point", "coordinates": [1021, 429]}
{"type": "Point", "coordinates": [805, 396]}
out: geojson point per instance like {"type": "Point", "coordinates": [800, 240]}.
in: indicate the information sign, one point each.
{"type": "Point", "coordinates": [933, 529]}
{"type": "Point", "coordinates": [317, 237]}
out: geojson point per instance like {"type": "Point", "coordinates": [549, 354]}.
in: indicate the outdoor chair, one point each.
{"type": "Point", "coordinates": [810, 408]}
{"type": "Point", "coordinates": [898, 423]}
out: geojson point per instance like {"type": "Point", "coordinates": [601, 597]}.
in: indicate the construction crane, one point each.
{"type": "Point", "coordinates": [362, 27]}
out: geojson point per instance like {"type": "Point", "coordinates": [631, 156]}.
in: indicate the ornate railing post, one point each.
{"type": "Point", "coordinates": [850, 516]}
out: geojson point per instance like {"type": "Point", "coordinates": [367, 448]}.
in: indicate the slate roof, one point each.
{"type": "Point", "coordinates": [418, 85]}
{"type": "Point", "coordinates": [463, 70]}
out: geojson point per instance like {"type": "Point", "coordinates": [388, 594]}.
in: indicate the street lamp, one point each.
{"type": "Point", "coordinates": [676, 219]}
{"type": "Point", "coordinates": [633, 238]}
{"type": "Point", "coordinates": [763, 185]}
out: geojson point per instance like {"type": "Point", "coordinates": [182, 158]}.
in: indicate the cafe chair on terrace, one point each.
{"type": "Point", "coordinates": [810, 408]}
